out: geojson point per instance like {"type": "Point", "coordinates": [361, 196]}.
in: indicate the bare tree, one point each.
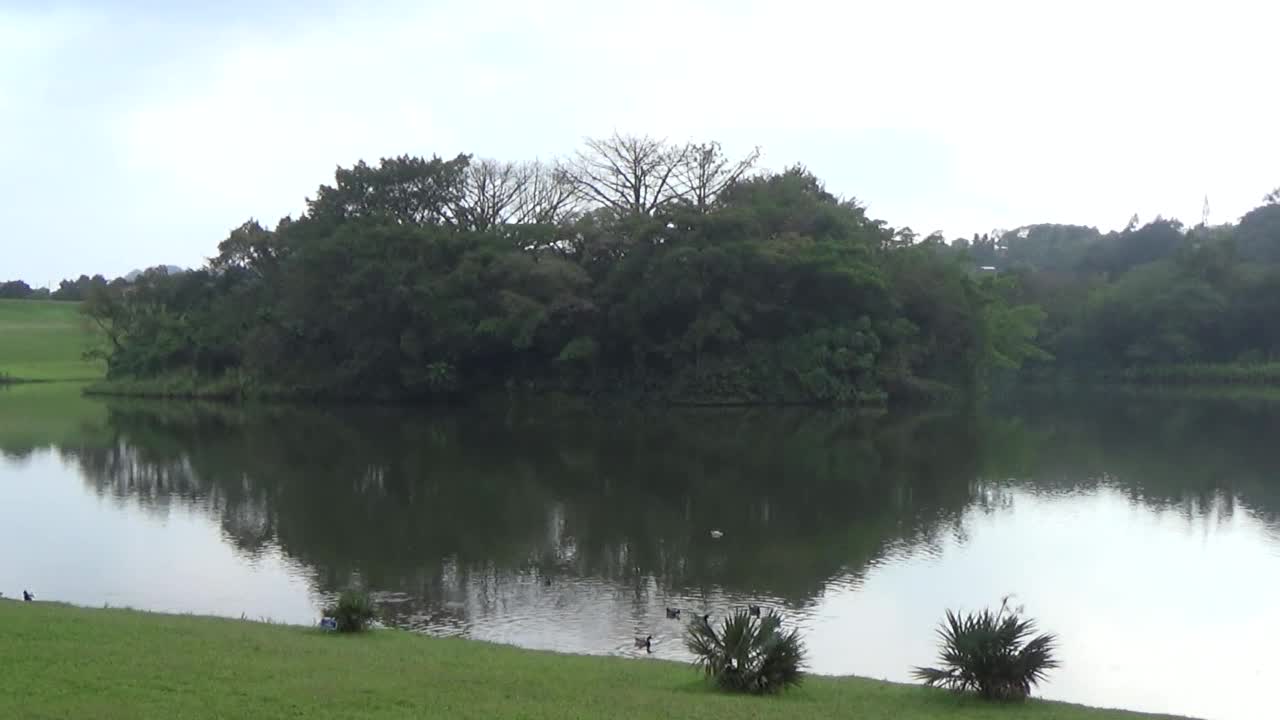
{"type": "Point", "coordinates": [502, 193]}
{"type": "Point", "coordinates": [491, 191]}
{"type": "Point", "coordinates": [706, 172]}
{"type": "Point", "coordinates": [548, 197]}
{"type": "Point", "coordinates": [632, 175]}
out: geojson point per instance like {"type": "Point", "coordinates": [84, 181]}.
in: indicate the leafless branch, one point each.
{"type": "Point", "coordinates": [629, 174]}
{"type": "Point", "coordinates": [490, 193]}
{"type": "Point", "coordinates": [706, 172]}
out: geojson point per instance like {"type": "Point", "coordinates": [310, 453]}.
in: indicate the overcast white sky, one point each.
{"type": "Point", "coordinates": [137, 133]}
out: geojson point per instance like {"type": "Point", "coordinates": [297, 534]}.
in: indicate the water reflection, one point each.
{"type": "Point", "coordinates": [802, 497]}
{"type": "Point", "coordinates": [566, 529]}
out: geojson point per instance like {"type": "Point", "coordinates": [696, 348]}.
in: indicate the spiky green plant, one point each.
{"type": "Point", "coordinates": [748, 654]}
{"type": "Point", "coordinates": [353, 612]}
{"type": "Point", "coordinates": [995, 654]}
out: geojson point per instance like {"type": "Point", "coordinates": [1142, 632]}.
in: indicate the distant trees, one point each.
{"type": "Point", "coordinates": [1152, 294]}
{"type": "Point", "coordinates": [73, 290]}
{"type": "Point", "coordinates": [1257, 236]}
{"type": "Point", "coordinates": [79, 288]}
{"type": "Point", "coordinates": [15, 290]}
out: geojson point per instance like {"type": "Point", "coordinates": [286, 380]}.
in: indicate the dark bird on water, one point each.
{"type": "Point", "coordinates": [645, 642]}
{"type": "Point", "coordinates": [754, 610]}
{"type": "Point", "coordinates": [673, 613]}
{"type": "Point", "coordinates": [28, 596]}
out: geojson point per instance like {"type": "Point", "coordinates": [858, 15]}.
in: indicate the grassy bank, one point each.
{"type": "Point", "coordinates": [45, 340]}
{"type": "Point", "coordinates": [63, 662]}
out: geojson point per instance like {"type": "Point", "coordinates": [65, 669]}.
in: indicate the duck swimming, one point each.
{"type": "Point", "coordinates": [673, 613]}
{"type": "Point", "coordinates": [645, 642]}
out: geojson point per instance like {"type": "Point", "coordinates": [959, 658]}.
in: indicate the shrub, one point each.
{"type": "Point", "coordinates": [748, 654]}
{"type": "Point", "coordinates": [991, 653]}
{"type": "Point", "coordinates": [353, 612]}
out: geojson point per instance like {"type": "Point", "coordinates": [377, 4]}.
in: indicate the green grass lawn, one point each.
{"type": "Point", "coordinates": [63, 662]}
{"type": "Point", "coordinates": [45, 340]}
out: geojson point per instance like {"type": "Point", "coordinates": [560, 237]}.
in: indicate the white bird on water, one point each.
{"type": "Point", "coordinates": [716, 534]}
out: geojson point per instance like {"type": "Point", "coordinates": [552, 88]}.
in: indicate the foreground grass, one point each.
{"type": "Point", "coordinates": [63, 662]}
{"type": "Point", "coordinates": [45, 340]}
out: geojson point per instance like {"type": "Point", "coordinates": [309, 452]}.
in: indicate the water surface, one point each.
{"type": "Point", "coordinates": [1143, 530]}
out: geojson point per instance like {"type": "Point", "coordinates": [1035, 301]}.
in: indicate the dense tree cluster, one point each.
{"type": "Point", "coordinates": [636, 265]}
{"type": "Point", "coordinates": [647, 267]}
{"type": "Point", "coordinates": [1153, 294]}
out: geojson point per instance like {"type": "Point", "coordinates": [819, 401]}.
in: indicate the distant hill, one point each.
{"type": "Point", "coordinates": [170, 269]}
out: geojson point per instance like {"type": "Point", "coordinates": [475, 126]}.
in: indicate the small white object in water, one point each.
{"type": "Point", "coordinates": [716, 534]}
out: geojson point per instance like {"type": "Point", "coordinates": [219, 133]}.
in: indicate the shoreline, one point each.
{"type": "Point", "coordinates": [63, 660]}
{"type": "Point", "coordinates": [27, 381]}
{"type": "Point", "coordinates": [184, 387]}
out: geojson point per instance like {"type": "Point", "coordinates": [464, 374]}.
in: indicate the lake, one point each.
{"type": "Point", "coordinates": [1144, 530]}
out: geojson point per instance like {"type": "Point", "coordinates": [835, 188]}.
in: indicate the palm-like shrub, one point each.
{"type": "Point", "coordinates": [748, 654]}
{"type": "Point", "coordinates": [353, 612]}
{"type": "Point", "coordinates": [995, 654]}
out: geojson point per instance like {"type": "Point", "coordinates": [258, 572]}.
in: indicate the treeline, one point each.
{"type": "Point", "coordinates": [635, 266]}
{"type": "Point", "coordinates": [69, 290]}
{"type": "Point", "coordinates": [1151, 295]}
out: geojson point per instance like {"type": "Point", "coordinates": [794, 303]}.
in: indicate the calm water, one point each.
{"type": "Point", "coordinates": [1145, 531]}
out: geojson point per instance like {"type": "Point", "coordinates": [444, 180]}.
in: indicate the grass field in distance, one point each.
{"type": "Point", "coordinates": [45, 340]}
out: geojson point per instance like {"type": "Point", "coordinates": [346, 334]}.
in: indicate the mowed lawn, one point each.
{"type": "Point", "coordinates": [64, 662]}
{"type": "Point", "coordinates": [45, 340]}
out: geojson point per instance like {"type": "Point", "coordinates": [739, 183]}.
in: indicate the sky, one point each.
{"type": "Point", "coordinates": [138, 133]}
